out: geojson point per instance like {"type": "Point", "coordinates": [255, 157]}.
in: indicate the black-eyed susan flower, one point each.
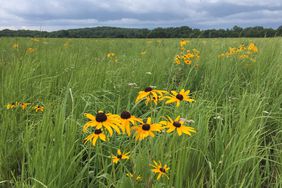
{"type": "Point", "coordinates": [146, 129]}
{"type": "Point", "coordinates": [187, 61]}
{"type": "Point", "coordinates": [160, 169]}
{"type": "Point", "coordinates": [101, 120]}
{"type": "Point", "coordinates": [126, 119]}
{"type": "Point", "coordinates": [242, 47]}
{"type": "Point", "coordinates": [12, 105]}
{"type": "Point", "coordinates": [196, 53]}
{"type": "Point", "coordinates": [252, 47]}
{"type": "Point", "coordinates": [15, 46]}
{"type": "Point", "coordinates": [120, 156]}
{"type": "Point", "coordinates": [182, 44]}
{"type": "Point", "coordinates": [153, 99]}
{"type": "Point", "coordinates": [177, 125]}
{"type": "Point", "coordinates": [149, 92]}
{"type": "Point", "coordinates": [134, 176]}
{"type": "Point", "coordinates": [39, 108]}
{"type": "Point", "coordinates": [30, 50]}
{"type": "Point", "coordinates": [178, 59]}
{"type": "Point", "coordinates": [242, 52]}
{"type": "Point", "coordinates": [189, 55]}
{"type": "Point", "coordinates": [93, 137]}
{"type": "Point", "coordinates": [35, 40]}
{"type": "Point", "coordinates": [111, 55]}
{"type": "Point", "coordinates": [178, 97]}
{"type": "Point", "coordinates": [24, 105]}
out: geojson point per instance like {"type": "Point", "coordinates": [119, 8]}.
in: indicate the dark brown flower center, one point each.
{"type": "Point", "coordinates": [101, 117]}
{"type": "Point", "coordinates": [179, 97]}
{"type": "Point", "coordinates": [148, 89]}
{"type": "Point", "coordinates": [125, 115]}
{"type": "Point", "coordinates": [162, 170]}
{"type": "Point", "coordinates": [119, 156]}
{"type": "Point", "coordinates": [146, 127]}
{"type": "Point", "coordinates": [98, 131]}
{"type": "Point", "coordinates": [176, 124]}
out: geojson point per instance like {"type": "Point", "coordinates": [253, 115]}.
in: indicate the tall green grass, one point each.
{"type": "Point", "coordinates": [237, 113]}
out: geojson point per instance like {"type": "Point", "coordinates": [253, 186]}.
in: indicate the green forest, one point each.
{"type": "Point", "coordinates": [170, 32]}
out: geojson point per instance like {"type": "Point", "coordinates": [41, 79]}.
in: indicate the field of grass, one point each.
{"type": "Point", "coordinates": [237, 113]}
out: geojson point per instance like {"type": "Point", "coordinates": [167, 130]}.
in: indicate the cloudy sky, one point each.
{"type": "Point", "coordinates": [64, 14]}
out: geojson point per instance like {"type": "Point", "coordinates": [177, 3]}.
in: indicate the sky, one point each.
{"type": "Point", "coordinates": [53, 15]}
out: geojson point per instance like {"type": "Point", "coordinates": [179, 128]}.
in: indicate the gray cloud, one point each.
{"type": "Point", "coordinates": [60, 14]}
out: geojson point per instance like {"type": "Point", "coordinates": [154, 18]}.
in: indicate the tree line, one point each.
{"type": "Point", "coordinates": [170, 32]}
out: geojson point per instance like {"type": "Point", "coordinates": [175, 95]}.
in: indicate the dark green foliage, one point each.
{"type": "Point", "coordinates": [170, 32]}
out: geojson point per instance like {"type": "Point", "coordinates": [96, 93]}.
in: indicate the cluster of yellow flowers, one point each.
{"type": "Point", "coordinates": [35, 40]}
{"type": "Point", "coordinates": [25, 106]}
{"type": "Point", "coordinates": [151, 95]}
{"type": "Point", "coordinates": [103, 125]}
{"type": "Point", "coordinates": [157, 167]}
{"type": "Point", "coordinates": [185, 55]}
{"type": "Point", "coordinates": [243, 52]}
{"type": "Point", "coordinates": [126, 122]}
{"type": "Point", "coordinates": [112, 57]}
{"type": "Point", "coordinates": [28, 50]}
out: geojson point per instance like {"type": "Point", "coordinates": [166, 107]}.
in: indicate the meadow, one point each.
{"type": "Point", "coordinates": [47, 86]}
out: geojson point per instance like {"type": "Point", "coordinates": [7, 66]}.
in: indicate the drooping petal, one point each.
{"type": "Point", "coordinates": [170, 129]}
{"type": "Point", "coordinates": [115, 128]}
{"type": "Point", "coordinates": [172, 100]}
{"type": "Point", "coordinates": [179, 132]}
{"type": "Point", "coordinates": [94, 140]}
{"type": "Point", "coordinates": [109, 129]}
{"type": "Point", "coordinates": [89, 137]}
{"type": "Point", "coordinates": [159, 176]}
{"type": "Point", "coordinates": [103, 137]}
{"type": "Point", "coordinates": [177, 104]}
{"type": "Point", "coordinates": [128, 130]}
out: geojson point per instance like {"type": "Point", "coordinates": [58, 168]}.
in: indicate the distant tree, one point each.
{"type": "Point", "coordinates": [279, 31]}
{"type": "Point", "coordinates": [236, 31]}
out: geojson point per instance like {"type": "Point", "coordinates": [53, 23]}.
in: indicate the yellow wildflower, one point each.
{"type": "Point", "coordinates": [160, 169]}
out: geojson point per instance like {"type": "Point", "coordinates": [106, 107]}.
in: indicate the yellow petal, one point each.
{"type": "Point", "coordinates": [179, 132]}
{"type": "Point", "coordinates": [177, 104]}
{"type": "Point", "coordinates": [94, 140]}
{"type": "Point", "coordinates": [90, 116]}
{"type": "Point", "coordinates": [149, 120]}
{"type": "Point", "coordinates": [109, 129]}
{"type": "Point", "coordinates": [159, 176]}
{"type": "Point", "coordinates": [170, 129]}
{"type": "Point", "coordinates": [102, 137]}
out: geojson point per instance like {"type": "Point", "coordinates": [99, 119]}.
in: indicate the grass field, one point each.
{"type": "Point", "coordinates": [237, 113]}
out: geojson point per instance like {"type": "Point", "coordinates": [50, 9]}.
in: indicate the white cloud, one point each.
{"type": "Point", "coordinates": [58, 14]}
